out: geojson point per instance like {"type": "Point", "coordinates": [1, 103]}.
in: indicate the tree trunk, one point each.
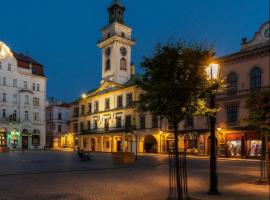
{"type": "Point", "coordinates": [179, 189]}
{"type": "Point", "coordinates": [266, 146]}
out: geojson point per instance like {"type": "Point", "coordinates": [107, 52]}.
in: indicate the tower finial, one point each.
{"type": "Point", "coordinates": [116, 12]}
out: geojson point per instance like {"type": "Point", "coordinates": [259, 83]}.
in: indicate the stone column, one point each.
{"type": "Point", "coordinates": [112, 144]}
{"type": "Point", "coordinates": [123, 142]}
{"type": "Point", "coordinates": [101, 143]}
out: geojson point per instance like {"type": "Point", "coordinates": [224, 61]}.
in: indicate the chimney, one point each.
{"type": "Point", "coordinates": [244, 43]}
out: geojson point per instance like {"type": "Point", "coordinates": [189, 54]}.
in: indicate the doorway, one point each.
{"type": "Point", "coordinates": [93, 144]}
{"type": "Point", "coordinates": [150, 144]}
{"type": "Point", "coordinates": [25, 142]}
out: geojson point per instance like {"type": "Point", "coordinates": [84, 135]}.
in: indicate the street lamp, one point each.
{"type": "Point", "coordinates": [212, 71]}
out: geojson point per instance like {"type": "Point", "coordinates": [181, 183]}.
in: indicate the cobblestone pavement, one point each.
{"type": "Point", "coordinates": [61, 176]}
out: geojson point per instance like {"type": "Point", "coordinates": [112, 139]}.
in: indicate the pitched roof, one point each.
{"type": "Point", "coordinates": [25, 62]}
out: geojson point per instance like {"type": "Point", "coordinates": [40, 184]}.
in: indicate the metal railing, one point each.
{"type": "Point", "coordinates": [108, 130]}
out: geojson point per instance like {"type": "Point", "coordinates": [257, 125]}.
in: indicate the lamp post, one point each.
{"type": "Point", "coordinates": [212, 71]}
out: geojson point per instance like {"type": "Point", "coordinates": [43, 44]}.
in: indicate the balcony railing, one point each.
{"type": "Point", "coordinates": [108, 130]}
{"type": "Point", "coordinates": [229, 93]}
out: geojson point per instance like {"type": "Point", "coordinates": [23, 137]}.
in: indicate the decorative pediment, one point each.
{"type": "Point", "coordinates": [107, 86]}
{"type": "Point", "coordinates": [260, 38]}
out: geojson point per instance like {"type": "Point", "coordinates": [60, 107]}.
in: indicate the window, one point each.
{"type": "Point", "coordinates": [81, 126]}
{"type": "Point", "coordinates": [9, 67]}
{"type": "Point", "coordinates": [34, 86]}
{"type": "Point", "coordinates": [36, 101]}
{"type": "Point", "coordinates": [14, 115]}
{"type": "Point", "coordinates": [59, 128]}
{"type": "Point", "coordinates": [118, 122]}
{"type": "Point", "coordinates": [107, 104]}
{"type": "Point", "coordinates": [82, 109]}
{"type": "Point", "coordinates": [232, 83]}
{"type": "Point", "coordinates": [15, 83]}
{"type": "Point", "coordinates": [255, 78]}
{"type": "Point", "coordinates": [4, 81]}
{"type": "Point", "coordinates": [88, 125]}
{"type": "Point", "coordinates": [59, 116]}
{"type": "Point", "coordinates": [75, 127]}
{"type": "Point", "coordinates": [38, 87]}
{"type": "Point", "coordinates": [128, 121]}
{"type": "Point", "coordinates": [232, 111]}
{"type": "Point", "coordinates": [119, 101]}
{"type": "Point", "coordinates": [26, 115]}
{"type": "Point", "coordinates": [35, 140]}
{"type": "Point", "coordinates": [123, 64]}
{"type": "Point", "coordinates": [108, 65]}
{"type": "Point", "coordinates": [96, 106]}
{"type": "Point", "coordinates": [14, 98]}
{"type": "Point", "coordinates": [25, 85]}
{"type": "Point", "coordinates": [4, 97]}
{"type": "Point", "coordinates": [36, 116]}
{"type": "Point", "coordinates": [4, 114]}
{"type": "Point", "coordinates": [76, 112]}
{"type": "Point", "coordinates": [107, 144]}
{"type": "Point", "coordinates": [129, 99]}
{"type": "Point", "coordinates": [123, 34]}
{"type": "Point", "coordinates": [26, 99]}
{"type": "Point", "coordinates": [154, 121]}
{"type": "Point", "coordinates": [90, 108]}
{"type": "Point", "coordinates": [95, 124]}
{"type": "Point", "coordinates": [142, 122]}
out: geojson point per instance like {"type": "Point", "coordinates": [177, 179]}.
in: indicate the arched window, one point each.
{"type": "Point", "coordinates": [108, 65]}
{"type": "Point", "coordinates": [255, 78]}
{"type": "Point", "coordinates": [123, 64]}
{"type": "Point", "coordinates": [232, 81]}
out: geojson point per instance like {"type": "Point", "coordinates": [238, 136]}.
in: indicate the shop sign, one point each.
{"type": "Point", "coordinates": [236, 136]}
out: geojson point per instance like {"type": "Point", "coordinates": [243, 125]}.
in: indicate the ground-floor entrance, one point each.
{"type": "Point", "coordinates": [25, 142]}
{"type": "Point", "coordinates": [150, 144]}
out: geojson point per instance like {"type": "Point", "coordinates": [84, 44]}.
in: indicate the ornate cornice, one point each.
{"type": "Point", "coordinates": [244, 56]}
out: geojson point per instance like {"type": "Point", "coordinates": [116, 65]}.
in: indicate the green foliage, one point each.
{"type": "Point", "coordinates": [175, 82]}
{"type": "Point", "coordinates": [258, 105]}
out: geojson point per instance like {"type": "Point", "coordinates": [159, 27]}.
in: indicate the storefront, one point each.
{"type": "Point", "coordinates": [191, 142]}
{"type": "Point", "coordinates": [254, 145]}
{"type": "Point", "coordinates": [13, 139]}
{"type": "Point", "coordinates": [234, 145]}
{"type": "Point", "coordinates": [3, 139]}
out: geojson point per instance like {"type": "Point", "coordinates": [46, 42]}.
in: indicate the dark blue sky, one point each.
{"type": "Point", "coordinates": [62, 34]}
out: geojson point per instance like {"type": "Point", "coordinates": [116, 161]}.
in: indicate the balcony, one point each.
{"type": "Point", "coordinates": [230, 93]}
{"type": "Point", "coordinates": [108, 130]}
{"type": "Point", "coordinates": [119, 35]}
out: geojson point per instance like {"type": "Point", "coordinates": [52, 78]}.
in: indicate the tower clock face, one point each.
{"type": "Point", "coordinates": [123, 51]}
{"type": "Point", "coordinates": [108, 51]}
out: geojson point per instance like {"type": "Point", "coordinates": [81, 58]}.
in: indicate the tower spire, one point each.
{"type": "Point", "coordinates": [116, 12]}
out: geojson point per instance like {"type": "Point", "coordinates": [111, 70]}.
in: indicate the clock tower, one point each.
{"type": "Point", "coordinates": [116, 44]}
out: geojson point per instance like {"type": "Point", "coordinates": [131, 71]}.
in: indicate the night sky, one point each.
{"type": "Point", "coordinates": [63, 34]}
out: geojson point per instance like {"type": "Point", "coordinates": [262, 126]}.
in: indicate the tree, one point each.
{"type": "Point", "coordinates": [258, 105]}
{"type": "Point", "coordinates": [175, 85]}
{"type": "Point", "coordinates": [258, 118]}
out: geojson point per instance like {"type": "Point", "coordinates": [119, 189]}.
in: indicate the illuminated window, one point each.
{"type": "Point", "coordinates": [123, 64]}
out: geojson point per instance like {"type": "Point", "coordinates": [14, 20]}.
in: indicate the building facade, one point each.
{"type": "Point", "coordinates": [22, 101]}
{"type": "Point", "coordinates": [57, 125]}
{"type": "Point", "coordinates": [107, 122]}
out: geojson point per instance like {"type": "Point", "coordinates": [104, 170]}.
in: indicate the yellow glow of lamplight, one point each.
{"type": "Point", "coordinates": [83, 95]}
{"type": "Point", "coordinates": [212, 71]}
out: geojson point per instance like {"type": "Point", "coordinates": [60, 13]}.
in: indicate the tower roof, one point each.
{"type": "Point", "coordinates": [117, 2]}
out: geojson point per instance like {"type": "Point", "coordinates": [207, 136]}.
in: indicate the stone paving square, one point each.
{"type": "Point", "coordinates": [56, 175]}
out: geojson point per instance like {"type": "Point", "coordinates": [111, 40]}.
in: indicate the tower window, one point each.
{"type": "Point", "coordinates": [123, 64]}
{"type": "Point", "coordinates": [108, 65]}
